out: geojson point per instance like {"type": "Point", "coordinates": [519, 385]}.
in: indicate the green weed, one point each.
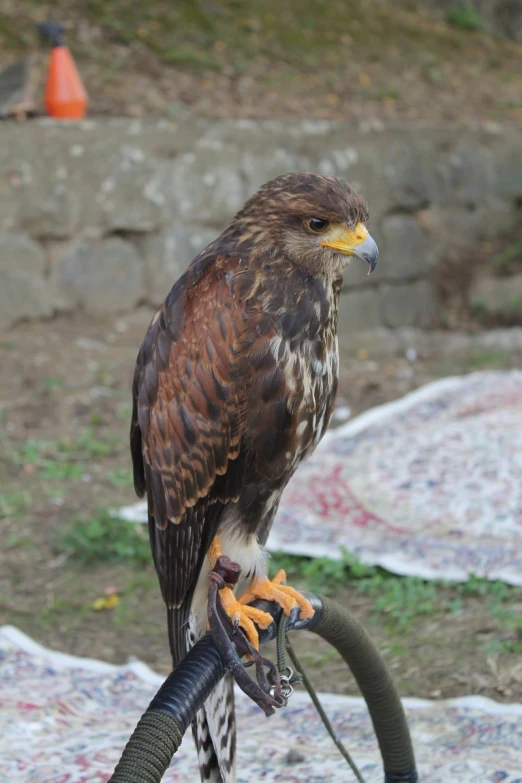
{"type": "Point", "coordinates": [52, 382]}
{"type": "Point", "coordinates": [402, 600]}
{"type": "Point", "coordinates": [13, 504]}
{"type": "Point", "coordinates": [90, 445]}
{"type": "Point", "coordinates": [103, 537]}
{"type": "Point", "coordinates": [485, 359]}
{"type": "Point", "coordinates": [96, 419]}
{"type": "Point", "coordinates": [105, 377]}
{"type": "Point", "coordinates": [61, 471]}
{"type": "Point", "coordinates": [465, 17]}
{"type": "Point", "coordinates": [125, 412]}
{"type": "Point", "coordinates": [65, 459]}
{"type": "Point", "coordinates": [15, 541]}
{"type": "Point", "coordinates": [120, 477]}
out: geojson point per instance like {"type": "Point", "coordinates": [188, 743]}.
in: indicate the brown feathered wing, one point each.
{"type": "Point", "coordinates": [189, 394]}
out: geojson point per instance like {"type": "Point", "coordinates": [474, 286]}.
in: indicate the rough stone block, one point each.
{"type": "Point", "coordinates": [454, 229]}
{"type": "Point", "coordinates": [130, 194]}
{"type": "Point", "coordinates": [24, 290]}
{"type": "Point", "coordinates": [407, 250]}
{"type": "Point", "coordinates": [103, 277]}
{"type": "Point", "coordinates": [413, 181]}
{"type": "Point", "coordinates": [498, 294]}
{"type": "Point", "coordinates": [472, 172]}
{"type": "Point", "coordinates": [257, 166]}
{"type": "Point", "coordinates": [168, 255]}
{"type": "Point", "coordinates": [203, 189]}
{"type": "Point", "coordinates": [430, 191]}
{"type": "Point", "coordinates": [510, 174]}
{"type": "Point", "coordinates": [404, 248]}
{"type": "Point", "coordinates": [358, 310]}
{"type": "Point", "coordinates": [356, 273]}
{"type": "Point", "coordinates": [412, 304]}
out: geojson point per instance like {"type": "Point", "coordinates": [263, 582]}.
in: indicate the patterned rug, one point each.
{"type": "Point", "coordinates": [429, 486]}
{"type": "Point", "coordinates": [66, 720]}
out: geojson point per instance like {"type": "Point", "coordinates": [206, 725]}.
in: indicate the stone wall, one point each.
{"type": "Point", "coordinates": [105, 215]}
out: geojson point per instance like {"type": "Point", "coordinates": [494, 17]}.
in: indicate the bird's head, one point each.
{"type": "Point", "coordinates": [317, 222]}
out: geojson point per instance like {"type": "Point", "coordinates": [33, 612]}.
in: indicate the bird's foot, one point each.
{"type": "Point", "coordinates": [289, 599]}
{"type": "Point", "coordinates": [246, 617]}
{"type": "Point", "coordinates": [227, 618]}
{"type": "Point", "coordinates": [242, 616]}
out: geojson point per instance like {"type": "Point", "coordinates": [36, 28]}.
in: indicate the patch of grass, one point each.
{"type": "Point", "coordinates": [402, 600]}
{"type": "Point", "coordinates": [105, 377]}
{"type": "Point", "coordinates": [389, 93]}
{"type": "Point", "coordinates": [188, 57]}
{"type": "Point", "coordinates": [319, 659]}
{"type": "Point", "coordinates": [129, 612]}
{"type": "Point", "coordinates": [464, 16]}
{"type": "Point", "coordinates": [15, 541]}
{"type": "Point", "coordinates": [322, 574]}
{"type": "Point", "coordinates": [61, 471]}
{"type": "Point", "coordinates": [13, 504]}
{"type": "Point", "coordinates": [52, 382]}
{"type": "Point", "coordinates": [65, 459]}
{"type": "Point", "coordinates": [90, 444]}
{"type": "Point", "coordinates": [125, 413]}
{"type": "Point", "coordinates": [120, 477]}
{"type": "Point", "coordinates": [103, 537]}
{"type": "Point", "coordinates": [486, 359]}
{"type": "Point", "coordinates": [49, 459]}
{"type": "Point", "coordinates": [483, 360]}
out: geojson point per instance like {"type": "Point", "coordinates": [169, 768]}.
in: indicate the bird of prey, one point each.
{"type": "Point", "coordinates": [234, 385]}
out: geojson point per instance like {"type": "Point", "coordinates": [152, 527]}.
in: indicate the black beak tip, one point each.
{"type": "Point", "coordinates": [372, 261]}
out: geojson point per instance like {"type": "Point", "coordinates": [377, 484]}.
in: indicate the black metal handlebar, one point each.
{"type": "Point", "coordinates": [158, 734]}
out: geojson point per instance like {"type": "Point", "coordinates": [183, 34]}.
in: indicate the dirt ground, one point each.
{"type": "Point", "coordinates": [349, 60]}
{"type": "Point", "coordinates": [64, 419]}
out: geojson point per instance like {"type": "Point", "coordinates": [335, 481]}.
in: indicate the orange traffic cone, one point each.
{"type": "Point", "coordinates": [65, 97]}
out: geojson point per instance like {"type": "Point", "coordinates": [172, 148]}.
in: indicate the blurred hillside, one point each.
{"type": "Point", "coordinates": [349, 59]}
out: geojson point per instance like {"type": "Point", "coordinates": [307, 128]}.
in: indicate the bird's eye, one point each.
{"type": "Point", "coordinates": [317, 225]}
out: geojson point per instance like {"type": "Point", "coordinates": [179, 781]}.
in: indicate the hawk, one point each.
{"type": "Point", "coordinates": [234, 385]}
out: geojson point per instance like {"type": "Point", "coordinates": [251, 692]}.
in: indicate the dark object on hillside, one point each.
{"type": "Point", "coordinates": [52, 32]}
{"type": "Point", "coordinates": [17, 89]}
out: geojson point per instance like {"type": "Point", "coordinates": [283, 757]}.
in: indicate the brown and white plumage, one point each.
{"type": "Point", "coordinates": [234, 384]}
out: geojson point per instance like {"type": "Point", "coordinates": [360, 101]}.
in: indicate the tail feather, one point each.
{"type": "Point", "coordinates": [214, 733]}
{"type": "Point", "coordinates": [214, 728]}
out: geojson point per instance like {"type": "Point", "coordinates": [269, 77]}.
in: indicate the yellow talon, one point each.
{"type": "Point", "coordinates": [275, 590]}
{"type": "Point", "coordinates": [245, 616]}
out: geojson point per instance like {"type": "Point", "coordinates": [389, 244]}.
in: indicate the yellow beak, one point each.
{"type": "Point", "coordinates": [353, 242]}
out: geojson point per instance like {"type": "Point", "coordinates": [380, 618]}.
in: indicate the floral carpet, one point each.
{"type": "Point", "coordinates": [66, 720]}
{"type": "Point", "coordinates": [429, 485]}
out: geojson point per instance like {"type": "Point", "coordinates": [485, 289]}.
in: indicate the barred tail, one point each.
{"type": "Point", "coordinates": [214, 733]}
{"type": "Point", "coordinates": [214, 728]}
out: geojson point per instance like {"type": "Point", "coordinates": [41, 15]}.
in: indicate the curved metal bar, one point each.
{"type": "Point", "coordinates": [158, 735]}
